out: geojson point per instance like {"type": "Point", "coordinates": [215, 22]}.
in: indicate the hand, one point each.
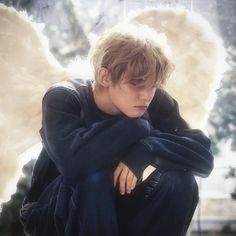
{"type": "Point", "coordinates": [127, 179]}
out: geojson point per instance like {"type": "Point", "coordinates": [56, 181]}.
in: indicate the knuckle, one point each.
{"type": "Point", "coordinates": [121, 165]}
{"type": "Point", "coordinates": [129, 180]}
{"type": "Point", "coordinates": [122, 178]}
{"type": "Point", "coordinates": [118, 168]}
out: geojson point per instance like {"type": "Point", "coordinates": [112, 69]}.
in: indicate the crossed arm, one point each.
{"type": "Point", "coordinates": [172, 139]}
{"type": "Point", "coordinates": [78, 150]}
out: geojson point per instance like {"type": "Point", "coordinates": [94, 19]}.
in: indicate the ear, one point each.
{"type": "Point", "coordinates": [104, 78]}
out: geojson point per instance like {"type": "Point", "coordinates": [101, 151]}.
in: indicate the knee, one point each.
{"type": "Point", "coordinates": [97, 179]}
{"type": "Point", "coordinates": [173, 184]}
{"type": "Point", "coordinates": [95, 191]}
{"type": "Point", "coordinates": [180, 183]}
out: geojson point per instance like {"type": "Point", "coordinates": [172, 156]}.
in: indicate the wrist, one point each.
{"type": "Point", "coordinates": [138, 158]}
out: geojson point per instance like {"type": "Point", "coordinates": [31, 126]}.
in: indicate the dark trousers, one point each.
{"type": "Point", "coordinates": [162, 205]}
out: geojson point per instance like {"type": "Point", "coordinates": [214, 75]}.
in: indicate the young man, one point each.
{"type": "Point", "coordinates": [98, 137]}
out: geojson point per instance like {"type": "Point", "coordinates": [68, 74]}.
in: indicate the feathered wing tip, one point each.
{"type": "Point", "coordinates": [80, 68]}
{"type": "Point", "coordinates": [27, 70]}
{"type": "Point", "coordinates": [197, 54]}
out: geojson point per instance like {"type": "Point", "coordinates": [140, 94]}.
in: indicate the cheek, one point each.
{"type": "Point", "coordinates": [152, 92]}
{"type": "Point", "coordinates": [127, 94]}
{"type": "Point", "coordinates": [152, 95]}
{"type": "Point", "coordinates": [132, 96]}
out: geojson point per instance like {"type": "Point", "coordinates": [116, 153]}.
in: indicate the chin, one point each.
{"type": "Point", "coordinates": [134, 115]}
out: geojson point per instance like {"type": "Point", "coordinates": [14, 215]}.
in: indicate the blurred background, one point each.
{"type": "Point", "coordinates": [70, 25]}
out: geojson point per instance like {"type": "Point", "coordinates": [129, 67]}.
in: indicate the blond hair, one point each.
{"type": "Point", "coordinates": [133, 50]}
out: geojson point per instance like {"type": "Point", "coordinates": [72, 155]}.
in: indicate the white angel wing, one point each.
{"type": "Point", "coordinates": [198, 56]}
{"type": "Point", "coordinates": [27, 71]}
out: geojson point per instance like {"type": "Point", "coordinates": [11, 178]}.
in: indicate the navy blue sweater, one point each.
{"type": "Point", "coordinates": [80, 138]}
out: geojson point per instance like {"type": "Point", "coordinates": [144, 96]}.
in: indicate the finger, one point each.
{"type": "Point", "coordinates": [117, 174]}
{"type": "Point", "coordinates": [129, 181]}
{"type": "Point", "coordinates": [134, 181]}
{"type": "Point", "coordinates": [122, 179]}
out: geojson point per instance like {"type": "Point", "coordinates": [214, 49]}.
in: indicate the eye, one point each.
{"type": "Point", "coordinates": [134, 83]}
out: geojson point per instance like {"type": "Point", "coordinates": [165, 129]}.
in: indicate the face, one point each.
{"type": "Point", "coordinates": [129, 98]}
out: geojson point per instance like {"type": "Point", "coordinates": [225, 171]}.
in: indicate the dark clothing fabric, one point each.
{"type": "Point", "coordinates": [72, 191]}
{"type": "Point", "coordinates": [161, 205]}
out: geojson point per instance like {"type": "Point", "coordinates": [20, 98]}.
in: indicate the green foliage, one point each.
{"type": "Point", "coordinates": [231, 173]}
{"type": "Point", "coordinates": [9, 218]}
{"type": "Point", "coordinates": [226, 229]}
{"type": "Point", "coordinates": [65, 33]}
{"type": "Point", "coordinates": [222, 118]}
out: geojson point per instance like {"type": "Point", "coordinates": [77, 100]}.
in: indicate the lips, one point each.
{"type": "Point", "coordinates": [141, 107]}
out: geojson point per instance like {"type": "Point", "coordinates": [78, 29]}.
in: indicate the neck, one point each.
{"type": "Point", "coordinates": [102, 100]}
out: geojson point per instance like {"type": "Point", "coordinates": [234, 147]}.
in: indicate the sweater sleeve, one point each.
{"type": "Point", "coordinates": [185, 149]}
{"type": "Point", "coordinates": [77, 150]}
{"type": "Point", "coordinates": [172, 144]}
{"type": "Point", "coordinates": [164, 113]}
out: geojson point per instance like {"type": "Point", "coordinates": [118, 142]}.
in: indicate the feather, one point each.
{"type": "Point", "coordinates": [28, 69]}
{"type": "Point", "coordinates": [197, 54]}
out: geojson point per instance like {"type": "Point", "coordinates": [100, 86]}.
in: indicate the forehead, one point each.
{"type": "Point", "coordinates": [147, 80]}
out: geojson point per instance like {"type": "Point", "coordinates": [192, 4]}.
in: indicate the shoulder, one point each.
{"type": "Point", "coordinates": [162, 103]}
{"type": "Point", "coordinates": [68, 88]}
{"type": "Point", "coordinates": [164, 112]}
{"type": "Point", "coordinates": [68, 92]}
